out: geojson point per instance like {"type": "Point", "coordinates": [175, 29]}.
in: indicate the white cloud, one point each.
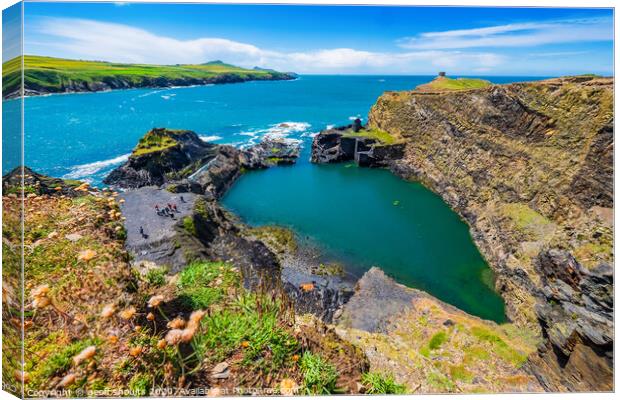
{"type": "Point", "coordinates": [515, 35]}
{"type": "Point", "coordinates": [89, 39]}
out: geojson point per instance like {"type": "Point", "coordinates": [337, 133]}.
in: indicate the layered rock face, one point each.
{"type": "Point", "coordinates": [529, 166]}
{"type": "Point", "coordinates": [270, 152]}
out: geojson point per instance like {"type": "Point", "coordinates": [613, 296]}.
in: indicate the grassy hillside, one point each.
{"type": "Point", "coordinates": [50, 75]}
{"type": "Point", "coordinates": [444, 83]}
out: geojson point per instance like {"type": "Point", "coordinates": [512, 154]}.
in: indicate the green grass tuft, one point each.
{"type": "Point", "coordinates": [140, 385]}
{"type": "Point", "coordinates": [437, 340]}
{"type": "Point", "coordinates": [204, 283]}
{"type": "Point", "coordinates": [156, 276]}
{"type": "Point", "coordinates": [460, 373]}
{"type": "Point", "coordinates": [58, 363]}
{"type": "Point", "coordinates": [188, 224]}
{"type": "Point", "coordinates": [376, 383]}
{"type": "Point", "coordinates": [250, 325]}
{"type": "Point", "coordinates": [499, 346]}
{"type": "Point", "coordinates": [379, 135]}
{"type": "Point", "coordinates": [319, 375]}
{"type": "Point", "coordinates": [440, 382]}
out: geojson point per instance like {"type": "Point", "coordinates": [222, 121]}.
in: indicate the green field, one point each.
{"type": "Point", "coordinates": [445, 83]}
{"type": "Point", "coordinates": [52, 75]}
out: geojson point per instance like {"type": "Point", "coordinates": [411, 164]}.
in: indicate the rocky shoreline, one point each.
{"type": "Point", "coordinates": [529, 168]}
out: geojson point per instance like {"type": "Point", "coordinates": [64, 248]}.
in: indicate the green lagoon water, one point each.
{"type": "Point", "coordinates": [369, 217]}
{"type": "Point", "coordinates": [348, 212]}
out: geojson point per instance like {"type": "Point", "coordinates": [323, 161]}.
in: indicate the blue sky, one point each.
{"type": "Point", "coordinates": [11, 32]}
{"type": "Point", "coordinates": [330, 39]}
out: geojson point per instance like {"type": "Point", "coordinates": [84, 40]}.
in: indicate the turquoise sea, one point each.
{"type": "Point", "coordinates": [360, 217]}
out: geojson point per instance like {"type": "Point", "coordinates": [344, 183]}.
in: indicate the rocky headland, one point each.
{"type": "Point", "coordinates": [183, 162]}
{"type": "Point", "coordinates": [48, 75]}
{"type": "Point", "coordinates": [529, 167]}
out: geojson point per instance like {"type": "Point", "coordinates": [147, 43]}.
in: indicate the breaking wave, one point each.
{"type": "Point", "coordinates": [281, 130]}
{"type": "Point", "coordinates": [85, 170]}
{"type": "Point", "coordinates": [210, 138]}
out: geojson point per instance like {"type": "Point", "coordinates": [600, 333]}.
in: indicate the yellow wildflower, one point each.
{"type": "Point", "coordinates": [288, 387]}
{"type": "Point", "coordinates": [155, 301]}
{"type": "Point", "coordinates": [128, 313]}
{"type": "Point", "coordinates": [86, 255]}
{"type": "Point", "coordinates": [177, 323]}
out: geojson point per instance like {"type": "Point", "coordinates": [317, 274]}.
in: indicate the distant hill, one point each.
{"type": "Point", "coordinates": [43, 75]}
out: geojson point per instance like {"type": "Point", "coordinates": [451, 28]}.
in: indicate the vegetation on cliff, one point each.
{"type": "Point", "coordinates": [157, 140]}
{"type": "Point", "coordinates": [432, 347]}
{"type": "Point", "coordinates": [379, 135]}
{"type": "Point", "coordinates": [443, 83]}
{"type": "Point", "coordinates": [95, 323]}
{"type": "Point", "coordinates": [54, 75]}
{"type": "Point", "coordinates": [163, 155]}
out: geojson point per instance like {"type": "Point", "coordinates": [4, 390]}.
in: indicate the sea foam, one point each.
{"type": "Point", "coordinates": [210, 138]}
{"type": "Point", "coordinates": [85, 170]}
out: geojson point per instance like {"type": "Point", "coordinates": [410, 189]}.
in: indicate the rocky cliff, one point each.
{"type": "Point", "coordinates": [431, 346]}
{"type": "Point", "coordinates": [34, 88]}
{"type": "Point", "coordinates": [160, 154]}
{"type": "Point", "coordinates": [367, 147]}
{"type": "Point", "coordinates": [529, 166]}
{"type": "Point", "coordinates": [186, 163]}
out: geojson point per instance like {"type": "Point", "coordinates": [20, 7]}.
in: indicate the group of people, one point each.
{"type": "Point", "coordinates": [168, 211]}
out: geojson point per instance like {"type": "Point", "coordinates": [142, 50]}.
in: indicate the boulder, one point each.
{"type": "Point", "coordinates": [270, 152]}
